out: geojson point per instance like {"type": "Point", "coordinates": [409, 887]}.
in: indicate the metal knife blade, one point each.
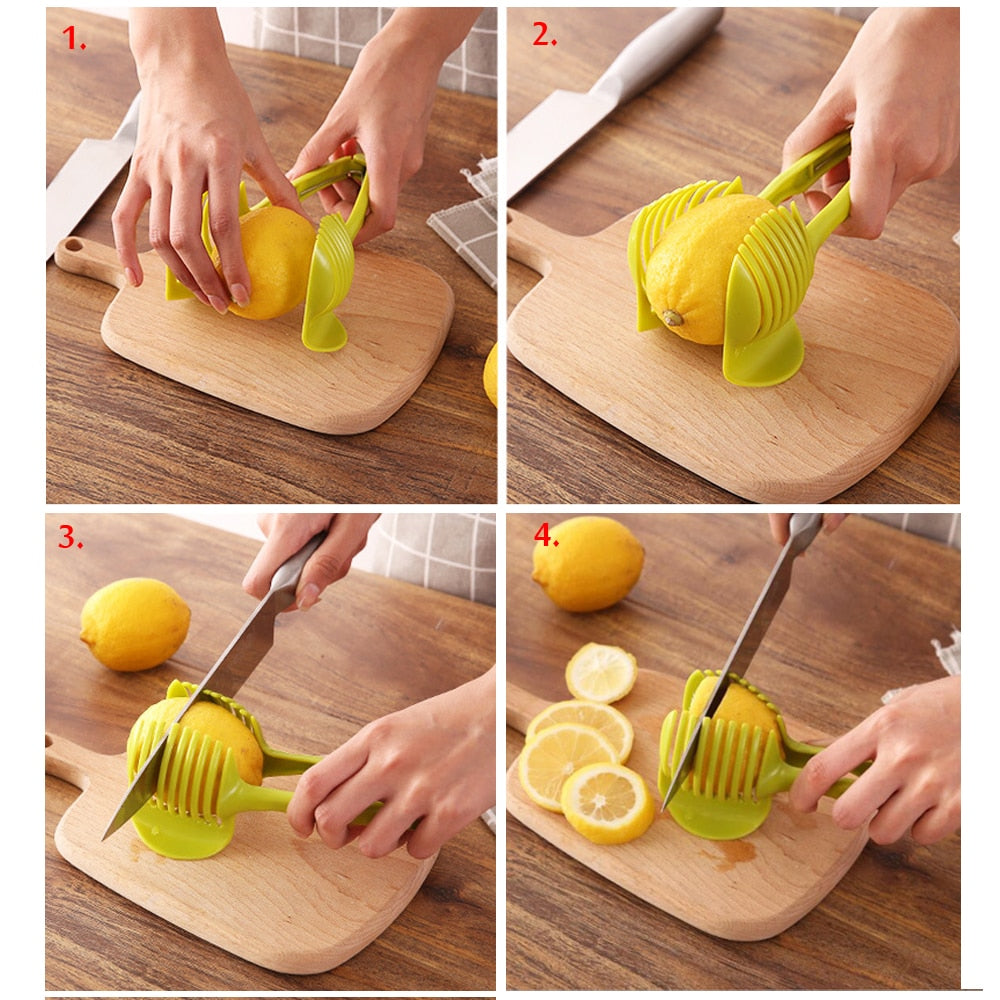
{"type": "Point", "coordinates": [803, 528]}
{"type": "Point", "coordinates": [231, 670]}
{"type": "Point", "coordinates": [84, 177]}
{"type": "Point", "coordinates": [565, 117]}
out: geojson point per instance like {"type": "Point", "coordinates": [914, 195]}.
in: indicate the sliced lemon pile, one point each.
{"type": "Point", "coordinates": [604, 718]}
{"type": "Point", "coordinates": [607, 803]}
{"type": "Point", "coordinates": [601, 673]}
{"type": "Point", "coordinates": [556, 753]}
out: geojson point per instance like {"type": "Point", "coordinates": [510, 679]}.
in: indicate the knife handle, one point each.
{"type": "Point", "coordinates": [650, 54]}
{"type": "Point", "coordinates": [286, 576]}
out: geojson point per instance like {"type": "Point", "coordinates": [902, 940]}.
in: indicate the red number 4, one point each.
{"type": "Point", "coordinates": [542, 535]}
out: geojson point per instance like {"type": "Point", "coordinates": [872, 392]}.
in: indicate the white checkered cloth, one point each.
{"type": "Point", "coordinates": [470, 229]}
{"type": "Point", "coordinates": [454, 553]}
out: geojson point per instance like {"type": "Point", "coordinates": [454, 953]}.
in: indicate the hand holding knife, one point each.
{"type": "Point", "coordinates": [803, 528]}
{"type": "Point", "coordinates": [228, 675]}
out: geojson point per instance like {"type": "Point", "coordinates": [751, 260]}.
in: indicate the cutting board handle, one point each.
{"type": "Point", "coordinates": [93, 260]}
{"type": "Point", "coordinates": [522, 707]}
{"type": "Point", "coordinates": [67, 760]}
{"type": "Point", "coordinates": [534, 244]}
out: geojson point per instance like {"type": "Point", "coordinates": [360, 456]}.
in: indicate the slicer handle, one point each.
{"type": "Point", "coordinates": [660, 47]}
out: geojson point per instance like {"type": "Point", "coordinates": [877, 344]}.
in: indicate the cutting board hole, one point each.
{"type": "Point", "coordinates": [73, 244]}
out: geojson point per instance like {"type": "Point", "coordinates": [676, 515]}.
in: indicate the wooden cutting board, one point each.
{"type": "Point", "coordinates": [879, 353]}
{"type": "Point", "coordinates": [397, 316]}
{"type": "Point", "coordinates": [290, 905]}
{"type": "Point", "coordinates": [740, 890]}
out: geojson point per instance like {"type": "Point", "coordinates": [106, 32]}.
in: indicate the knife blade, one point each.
{"type": "Point", "coordinates": [802, 529]}
{"type": "Point", "coordinates": [565, 117]}
{"type": "Point", "coordinates": [228, 675]}
{"type": "Point", "coordinates": [93, 165]}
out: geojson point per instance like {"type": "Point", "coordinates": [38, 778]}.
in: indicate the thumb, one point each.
{"type": "Point", "coordinates": [827, 118]}
{"type": "Point", "coordinates": [275, 185]}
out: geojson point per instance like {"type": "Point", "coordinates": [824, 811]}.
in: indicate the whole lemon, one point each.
{"type": "Point", "coordinates": [135, 623]}
{"type": "Point", "coordinates": [739, 704]}
{"type": "Point", "coordinates": [688, 271]}
{"type": "Point", "coordinates": [587, 563]}
{"type": "Point", "coordinates": [277, 246]}
{"type": "Point", "coordinates": [207, 717]}
{"type": "Point", "coordinates": [490, 374]}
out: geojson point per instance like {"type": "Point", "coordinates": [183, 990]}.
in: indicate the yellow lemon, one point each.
{"type": "Point", "coordinates": [277, 246]}
{"type": "Point", "coordinates": [490, 374]}
{"type": "Point", "coordinates": [740, 704]}
{"type": "Point", "coordinates": [205, 717]}
{"type": "Point", "coordinates": [604, 718]}
{"type": "Point", "coordinates": [607, 803]}
{"type": "Point", "coordinates": [554, 754]}
{"type": "Point", "coordinates": [134, 624]}
{"type": "Point", "coordinates": [587, 563]}
{"type": "Point", "coordinates": [601, 673]}
{"type": "Point", "coordinates": [688, 270]}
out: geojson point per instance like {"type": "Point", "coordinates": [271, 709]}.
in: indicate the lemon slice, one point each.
{"type": "Point", "coordinates": [601, 673]}
{"type": "Point", "coordinates": [608, 803]}
{"type": "Point", "coordinates": [604, 718]}
{"type": "Point", "coordinates": [554, 754]}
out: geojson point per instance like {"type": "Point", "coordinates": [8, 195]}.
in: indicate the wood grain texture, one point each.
{"type": "Point", "coordinates": [879, 353]}
{"type": "Point", "coordinates": [120, 433]}
{"type": "Point", "coordinates": [371, 647]}
{"type": "Point", "coordinates": [858, 620]}
{"type": "Point", "coordinates": [725, 110]}
{"type": "Point", "coordinates": [393, 340]}
{"type": "Point", "coordinates": [303, 909]}
{"type": "Point", "coordinates": [740, 890]}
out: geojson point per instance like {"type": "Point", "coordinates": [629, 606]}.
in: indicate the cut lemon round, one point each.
{"type": "Point", "coordinates": [601, 673]}
{"type": "Point", "coordinates": [608, 803]}
{"type": "Point", "coordinates": [554, 754]}
{"type": "Point", "coordinates": [604, 718]}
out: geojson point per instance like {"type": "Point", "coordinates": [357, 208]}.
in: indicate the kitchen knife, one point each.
{"type": "Point", "coordinates": [84, 177]}
{"type": "Point", "coordinates": [565, 117]}
{"type": "Point", "coordinates": [235, 665]}
{"type": "Point", "coordinates": [802, 529]}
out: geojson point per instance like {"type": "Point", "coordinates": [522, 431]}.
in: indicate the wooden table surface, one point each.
{"type": "Point", "coordinates": [120, 433]}
{"type": "Point", "coordinates": [858, 620]}
{"type": "Point", "coordinates": [726, 110]}
{"type": "Point", "coordinates": [386, 644]}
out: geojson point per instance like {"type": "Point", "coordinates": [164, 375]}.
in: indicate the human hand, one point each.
{"type": "Point", "coordinates": [779, 525]}
{"type": "Point", "coordinates": [384, 109]}
{"type": "Point", "coordinates": [434, 762]}
{"type": "Point", "coordinates": [898, 86]}
{"type": "Point", "coordinates": [197, 132]}
{"type": "Point", "coordinates": [287, 533]}
{"type": "Point", "coordinates": [914, 782]}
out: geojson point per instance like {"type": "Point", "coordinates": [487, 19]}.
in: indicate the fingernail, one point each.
{"type": "Point", "coordinates": [131, 278]}
{"type": "Point", "coordinates": [308, 597]}
{"type": "Point", "coordinates": [219, 305]}
{"type": "Point", "coordinates": [240, 295]}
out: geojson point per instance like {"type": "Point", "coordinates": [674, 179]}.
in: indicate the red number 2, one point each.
{"type": "Point", "coordinates": [541, 34]}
